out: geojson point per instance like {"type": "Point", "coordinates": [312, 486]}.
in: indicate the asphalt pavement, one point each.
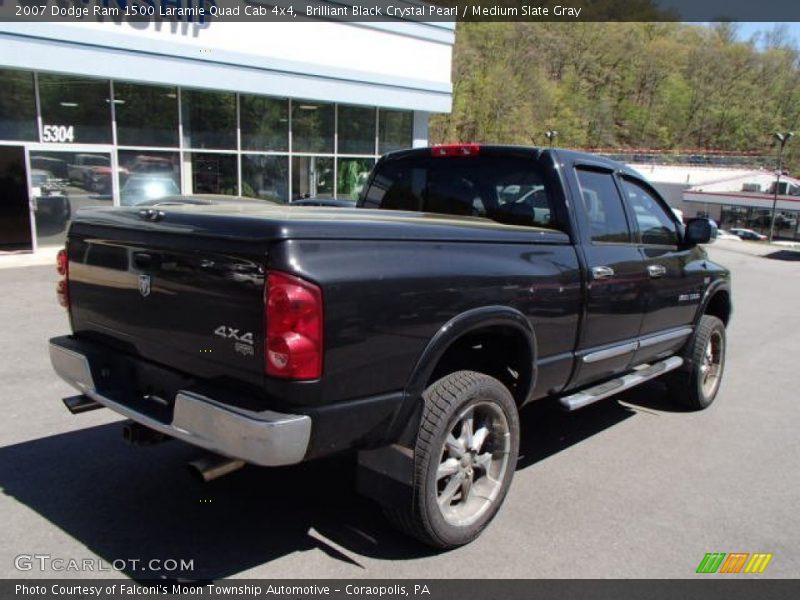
{"type": "Point", "coordinates": [631, 487]}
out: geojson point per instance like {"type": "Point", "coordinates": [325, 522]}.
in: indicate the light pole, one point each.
{"type": "Point", "coordinates": [782, 139]}
{"type": "Point", "coordinates": [551, 135]}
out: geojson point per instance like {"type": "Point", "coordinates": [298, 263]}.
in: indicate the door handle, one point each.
{"type": "Point", "coordinates": [656, 271]}
{"type": "Point", "coordinates": [602, 272]}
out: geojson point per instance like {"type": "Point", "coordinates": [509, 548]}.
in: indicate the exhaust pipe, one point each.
{"type": "Point", "coordinates": [138, 435]}
{"type": "Point", "coordinates": [214, 466]}
{"type": "Point", "coordinates": [80, 404]}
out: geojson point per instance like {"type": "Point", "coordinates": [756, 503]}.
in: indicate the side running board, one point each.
{"type": "Point", "coordinates": [639, 375]}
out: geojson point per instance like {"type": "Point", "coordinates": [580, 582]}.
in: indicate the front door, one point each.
{"type": "Point", "coordinates": [675, 275]}
{"type": "Point", "coordinates": [616, 279]}
{"type": "Point", "coordinates": [15, 215]}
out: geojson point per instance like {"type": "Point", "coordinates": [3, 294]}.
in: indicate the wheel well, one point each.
{"type": "Point", "coordinates": [501, 352]}
{"type": "Point", "coordinates": [720, 306]}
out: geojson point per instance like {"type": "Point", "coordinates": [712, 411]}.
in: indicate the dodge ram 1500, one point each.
{"type": "Point", "coordinates": [470, 281]}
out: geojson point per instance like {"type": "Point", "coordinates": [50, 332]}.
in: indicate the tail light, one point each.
{"type": "Point", "coordinates": [456, 150]}
{"type": "Point", "coordinates": [62, 287]}
{"type": "Point", "coordinates": [294, 327]}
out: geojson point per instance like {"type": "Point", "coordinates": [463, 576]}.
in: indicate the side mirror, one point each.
{"type": "Point", "coordinates": [699, 231]}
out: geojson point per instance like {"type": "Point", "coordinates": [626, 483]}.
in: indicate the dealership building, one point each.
{"type": "Point", "coordinates": [120, 113]}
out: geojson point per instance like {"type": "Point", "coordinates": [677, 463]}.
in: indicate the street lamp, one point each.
{"type": "Point", "coordinates": [551, 135]}
{"type": "Point", "coordinates": [782, 139]}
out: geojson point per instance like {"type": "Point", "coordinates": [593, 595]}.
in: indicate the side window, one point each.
{"type": "Point", "coordinates": [603, 207]}
{"type": "Point", "coordinates": [656, 227]}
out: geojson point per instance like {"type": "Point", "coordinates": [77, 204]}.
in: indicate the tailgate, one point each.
{"type": "Point", "coordinates": [192, 303]}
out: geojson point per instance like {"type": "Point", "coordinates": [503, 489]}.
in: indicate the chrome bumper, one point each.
{"type": "Point", "coordinates": [262, 438]}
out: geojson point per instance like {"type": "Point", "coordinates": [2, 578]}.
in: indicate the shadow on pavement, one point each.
{"type": "Point", "coordinates": [785, 255]}
{"type": "Point", "coordinates": [141, 503]}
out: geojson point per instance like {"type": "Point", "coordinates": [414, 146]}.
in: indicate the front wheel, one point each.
{"type": "Point", "coordinates": [697, 386]}
{"type": "Point", "coordinates": [464, 460]}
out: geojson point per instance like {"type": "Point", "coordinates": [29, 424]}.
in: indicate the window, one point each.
{"type": "Point", "coordinates": [395, 130]}
{"type": "Point", "coordinates": [209, 119]}
{"type": "Point", "coordinates": [312, 126]}
{"type": "Point", "coordinates": [265, 177]}
{"type": "Point", "coordinates": [213, 174]}
{"type": "Point", "coordinates": [655, 225]}
{"type": "Point", "coordinates": [353, 174]}
{"type": "Point", "coordinates": [312, 176]}
{"type": "Point", "coordinates": [504, 189]}
{"type": "Point", "coordinates": [147, 115]}
{"type": "Point", "coordinates": [75, 109]}
{"type": "Point", "coordinates": [603, 207]}
{"type": "Point", "coordinates": [147, 176]}
{"type": "Point", "coordinates": [264, 123]}
{"type": "Point", "coordinates": [356, 130]}
{"type": "Point", "coordinates": [17, 106]}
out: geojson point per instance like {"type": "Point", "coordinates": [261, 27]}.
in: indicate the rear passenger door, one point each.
{"type": "Point", "coordinates": [615, 277]}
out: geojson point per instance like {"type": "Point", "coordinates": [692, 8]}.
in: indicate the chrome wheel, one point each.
{"type": "Point", "coordinates": [711, 367]}
{"type": "Point", "coordinates": [473, 463]}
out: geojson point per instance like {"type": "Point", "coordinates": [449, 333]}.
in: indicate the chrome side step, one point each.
{"type": "Point", "coordinates": [639, 375]}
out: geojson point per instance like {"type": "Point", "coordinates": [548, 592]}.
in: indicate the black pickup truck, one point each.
{"type": "Point", "coordinates": [469, 281]}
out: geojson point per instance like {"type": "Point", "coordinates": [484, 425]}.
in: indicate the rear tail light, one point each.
{"type": "Point", "coordinates": [456, 150]}
{"type": "Point", "coordinates": [294, 327]}
{"type": "Point", "coordinates": [62, 287]}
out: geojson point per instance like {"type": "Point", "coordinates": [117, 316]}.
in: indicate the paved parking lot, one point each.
{"type": "Point", "coordinates": [631, 487]}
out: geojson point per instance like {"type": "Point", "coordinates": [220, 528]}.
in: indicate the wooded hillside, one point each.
{"type": "Point", "coordinates": [623, 85]}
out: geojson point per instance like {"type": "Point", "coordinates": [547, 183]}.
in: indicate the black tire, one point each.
{"type": "Point", "coordinates": [691, 386]}
{"type": "Point", "coordinates": [449, 402]}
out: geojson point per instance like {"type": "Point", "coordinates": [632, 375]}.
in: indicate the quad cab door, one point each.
{"type": "Point", "coordinates": [675, 274]}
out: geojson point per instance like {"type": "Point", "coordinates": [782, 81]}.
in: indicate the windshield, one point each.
{"type": "Point", "coordinates": [505, 189]}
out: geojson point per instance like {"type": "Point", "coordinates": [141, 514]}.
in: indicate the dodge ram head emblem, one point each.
{"type": "Point", "coordinates": [144, 285]}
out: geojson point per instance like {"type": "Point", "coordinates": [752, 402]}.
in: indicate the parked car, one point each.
{"type": "Point", "coordinates": [141, 187]}
{"type": "Point", "coordinates": [272, 336]}
{"type": "Point", "coordinates": [81, 171]}
{"type": "Point", "coordinates": [50, 198]}
{"type": "Point", "coordinates": [748, 234]}
{"type": "Point", "coordinates": [722, 234]}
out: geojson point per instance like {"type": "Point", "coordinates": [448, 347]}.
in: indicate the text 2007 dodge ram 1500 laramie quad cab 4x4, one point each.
{"type": "Point", "coordinates": [469, 281]}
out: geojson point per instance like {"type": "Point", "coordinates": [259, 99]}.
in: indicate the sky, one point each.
{"type": "Point", "coordinates": [747, 30]}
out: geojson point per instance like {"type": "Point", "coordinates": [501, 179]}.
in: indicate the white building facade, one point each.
{"type": "Point", "coordinates": [117, 113]}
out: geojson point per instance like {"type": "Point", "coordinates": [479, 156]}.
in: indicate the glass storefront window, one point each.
{"type": "Point", "coordinates": [395, 130]}
{"type": "Point", "coordinates": [147, 115]}
{"type": "Point", "coordinates": [312, 126]}
{"type": "Point", "coordinates": [63, 182]}
{"type": "Point", "coordinates": [312, 176]}
{"type": "Point", "coordinates": [17, 106]}
{"type": "Point", "coordinates": [145, 176]}
{"type": "Point", "coordinates": [209, 119]}
{"type": "Point", "coordinates": [265, 177]}
{"type": "Point", "coordinates": [264, 123]}
{"type": "Point", "coordinates": [352, 176]}
{"type": "Point", "coordinates": [75, 109]}
{"type": "Point", "coordinates": [356, 130]}
{"type": "Point", "coordinates": [212, 173]}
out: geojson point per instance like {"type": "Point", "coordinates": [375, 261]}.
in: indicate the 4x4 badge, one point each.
{"type": "Point", "coordinates": [144, 285]}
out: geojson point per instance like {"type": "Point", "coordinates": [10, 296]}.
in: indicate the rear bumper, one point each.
{"type": "Point", "coordinates": [264, 438]}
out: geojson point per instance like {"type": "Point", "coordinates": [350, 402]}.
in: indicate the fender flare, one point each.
{"type": "Point", "coordinates": [407, 418]}
{"type": "Point", "coordinates": [719, 285]}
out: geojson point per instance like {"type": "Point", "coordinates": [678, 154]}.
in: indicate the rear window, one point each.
{"type": "Point", "coordinates": [505, 189]}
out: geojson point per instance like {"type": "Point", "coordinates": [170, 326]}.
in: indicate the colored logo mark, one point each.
{"type": "Point", "coordinates": [735, 562]}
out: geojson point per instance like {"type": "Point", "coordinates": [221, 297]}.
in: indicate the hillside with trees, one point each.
{"type": "Point", "coordinates": [665, 86]}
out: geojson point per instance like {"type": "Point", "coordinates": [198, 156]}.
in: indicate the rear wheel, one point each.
{"type": "Point", "coordinates": [697, 386]}
{"type": "Point", "coordinates": [464, 460]}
